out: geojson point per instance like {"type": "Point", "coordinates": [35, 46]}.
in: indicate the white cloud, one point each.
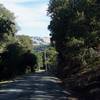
{"type": "Point", "coordinates": [15, 1]}
{"type": "Point", "coordinates": [28, 17]}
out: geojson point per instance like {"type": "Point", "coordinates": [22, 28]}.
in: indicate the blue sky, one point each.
{"type": "Point", "coordinates": [31, 16]}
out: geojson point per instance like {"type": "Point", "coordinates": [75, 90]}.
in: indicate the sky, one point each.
{"type": "Point", "coordinates": [31, 16]}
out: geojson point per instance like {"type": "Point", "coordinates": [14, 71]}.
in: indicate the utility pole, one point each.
{"type": "Point", "coordinates": [44, 60]}
{"type": "Point", "coordinates": [45, 57]}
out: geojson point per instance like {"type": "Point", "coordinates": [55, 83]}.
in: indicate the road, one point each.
{"type": "Point", "coordinates": [38, 86]}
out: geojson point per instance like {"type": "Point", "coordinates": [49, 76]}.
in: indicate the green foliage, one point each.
{"type": "Point", "coordinates": [15, 61]}
{"type": "Point", "coordinates": [50, 57]}
{"type": "Point", "coordinates": [39, 52]}
{"type": "Point", "coordinates": [7, 23]}
{"type": "Point", "coordinates": [29, 61]}
{"type": "Point", "coordinates": [39, 55]}
{"type": "Point", "coordinates": [12, 59]}
{"type": "Point", "coordinates": [26, 42]}
{"type": "Point", "coordinates": [15, 57]}
{"type": "Point", "coordinates": [75, 28]}
{"type": "Point", "coordinates": [8, 27]}
{"type": "Point", "coordinates": [70, 20]}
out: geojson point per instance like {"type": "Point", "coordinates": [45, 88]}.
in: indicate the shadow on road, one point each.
{"type": "Point", "coordinates": [39, 86]}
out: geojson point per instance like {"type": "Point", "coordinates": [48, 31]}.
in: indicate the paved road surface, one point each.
{"type": "Point", "coordinates": [39, 86]}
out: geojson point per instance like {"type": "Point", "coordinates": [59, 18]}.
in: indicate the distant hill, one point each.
{"type": "Point", "coordinates": [40, 41]}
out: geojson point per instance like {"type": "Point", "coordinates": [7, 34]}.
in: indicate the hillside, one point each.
{"type": "Point", "coordinates": [37, 41]}
{"type": "Point", "coordinates": [40, 43]}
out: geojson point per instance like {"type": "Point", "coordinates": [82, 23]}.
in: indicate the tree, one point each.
{"type": "Point", "coordinates": [75, 28]}
{"type": "Point", "coordinates": [12, 47]}
{"type": "Point", "coordinates": [29, 60]}
{"type": "Point", "coordinates": [26, 42]}
{"type": "Point", "coordinates": [8, 25]}
{"type": "Point", "coordinates": [11, 61]}
{"type": "Point", "coordinates": [51, 58]}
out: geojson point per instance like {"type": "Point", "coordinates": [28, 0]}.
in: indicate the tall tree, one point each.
{"type": "Point", "coordinates": [26, 42]}
{"type": "Point", "coordinates": [8, 25]}
{"type": "Point", "coordinates": [75, 30]}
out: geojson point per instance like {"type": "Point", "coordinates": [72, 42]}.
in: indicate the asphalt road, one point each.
{"type": "Point", "coordinates": [39, 86]}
